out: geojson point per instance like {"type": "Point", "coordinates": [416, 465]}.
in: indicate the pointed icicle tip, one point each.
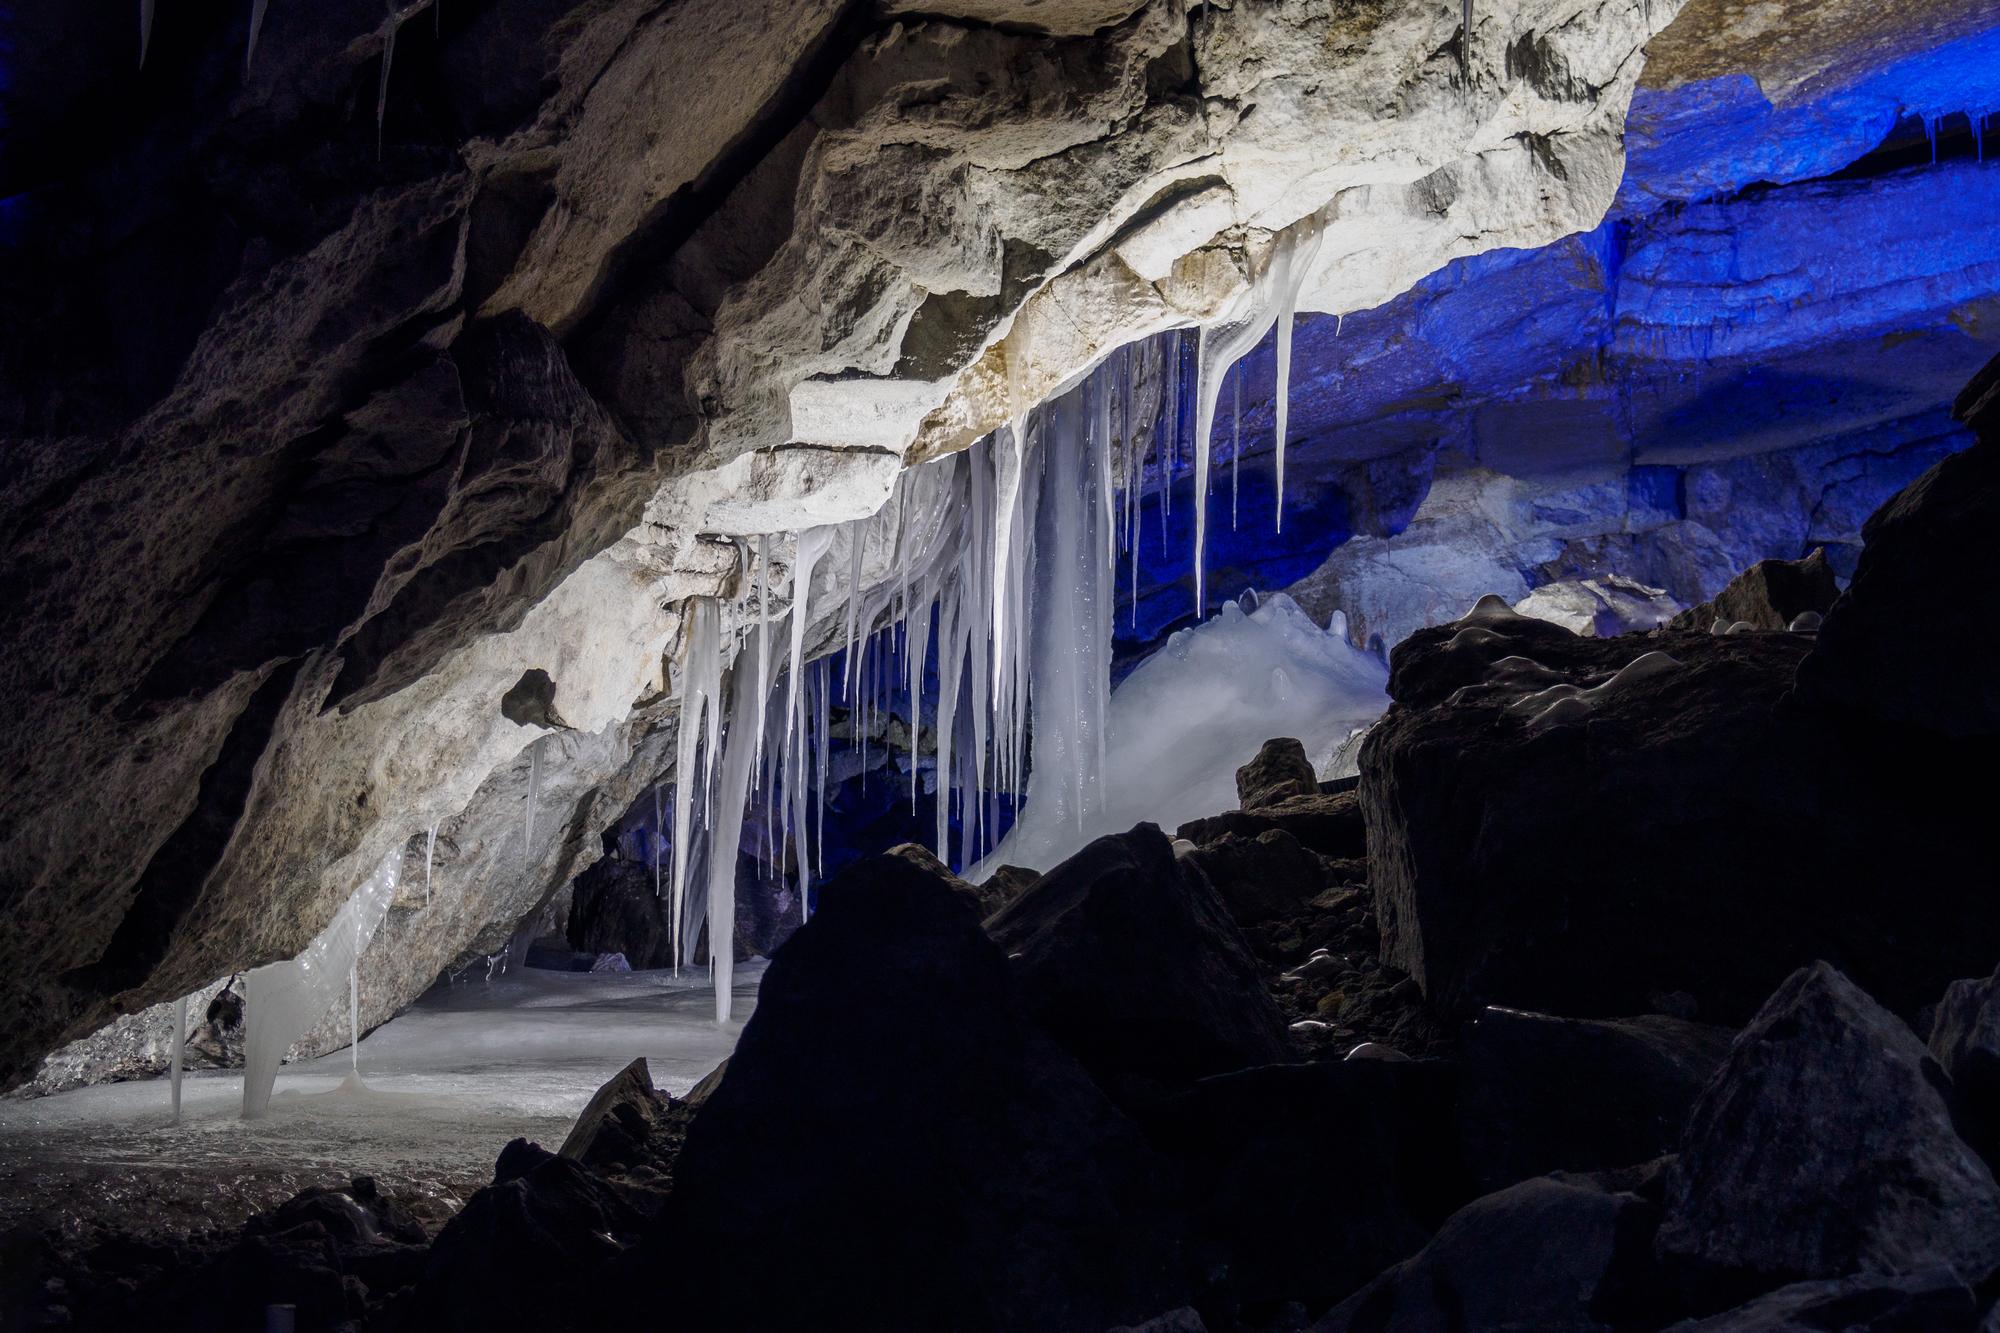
{"type": "Point", "coordinates": [145, 30]}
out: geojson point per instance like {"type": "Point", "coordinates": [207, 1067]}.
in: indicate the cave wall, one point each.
{"type": "Point", "coordinates": [347, 383]}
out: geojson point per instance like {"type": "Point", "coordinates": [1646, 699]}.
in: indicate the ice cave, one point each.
{"type": "Point", "coordinates": [1056, 665]}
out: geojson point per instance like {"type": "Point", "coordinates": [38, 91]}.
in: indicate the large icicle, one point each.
{"type": "Point", "coordinates": [180, 1051]}
{"type": "Point", "coordinates": [281, 1000]}
{"type": "Point", "coordinates": [1302, 246]}
{"type": "Point", "coordinates": [701, 678]}
{"type": "Point", "coordinates": [725, 825]}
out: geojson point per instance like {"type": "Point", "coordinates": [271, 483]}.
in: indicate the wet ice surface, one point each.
{"type": "Point", "coordinates": [445, 1086]}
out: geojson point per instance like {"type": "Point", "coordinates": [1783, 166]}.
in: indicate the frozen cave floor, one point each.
{"type": "Point", "coordinates": [444, 1085]}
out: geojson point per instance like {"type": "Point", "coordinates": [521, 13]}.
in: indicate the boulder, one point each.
{"type": "Point", "coordinates": [1266, 876]}
{"type": "Point", "coordinates": [1329, 823]}
{"type": "Point", "coordinates": [1279, 770]}
{"type": "Point", "coordinates": [1549, 1255]}
{"type": "Point", "coordinates": [618, 1116]}
{"type": "Point", "coordinates": [1913, 639]}
{"type": "Point", "coordinates": [1305, 1181]}
{"type": "Point", "coordinates": [895, 1145]}
{"type": "Point", "coordinates": [1965, 1038]}
{"type": "Point", "coordinates": [526, 1251]}
{"type": "Point", "coordinates": [984, 899]}
{"type": "Point", "coordinates": [1131, 961]}
{"type": "Point", "coordinates": [1824, 1148]}
{"type": "Point", "coordinates": [1543, 1094]}
{"type": "Point", "coordinates": [1771, 594]}
{"type": "Point", "coordinates": [1932, 1301]}
{"type": "Point", "coordinates": [1579, 826]}
{"type": "Point", "coordinates": [358, 1215]}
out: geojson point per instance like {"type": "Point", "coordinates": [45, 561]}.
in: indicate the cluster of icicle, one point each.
{"type": "Point", "coordinates": [1006, 558]}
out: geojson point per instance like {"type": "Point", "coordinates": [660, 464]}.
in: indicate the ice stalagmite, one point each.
{"type": "Point", "coordinates": [180, 1051]}
{"type": "Point", "coordinates": [282, 1000]}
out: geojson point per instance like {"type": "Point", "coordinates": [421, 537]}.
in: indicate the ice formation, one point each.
{"type": "Point", "coordinates": [282, 1000]}
{"type": "Point", "coordinates": [180, 1052]}
{"type": "Point", "coordinates": [995, 629]}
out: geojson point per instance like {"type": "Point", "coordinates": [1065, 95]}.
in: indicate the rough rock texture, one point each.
{"type": "Point", "coordinates": [1934, 1301]}
{"type": "Point", "coordinates": [1305, 1181]}
{"type": "Point", "coordinates": [1825, 1148]}
{"type": "Point", "coordinates": [1280, 769]}
{"type": "Point", "coordinates": [1545, 1094]}
{"type": "Point", "coordinates": [1771, 594]}
{"type": "Point", "coordinates": [1910, 640]}
{"type": "Point", "coordinates": [1330, 824]}
{"type": "Point", "coordinates": [916, 1151]}
{"type": "Point", "coordinates": [1545, 1254]}
{"type": "Point", "coordinates": [1965, 1038]}
{"type": "Point", "coordinates": [1705, 839]}
{"type": "Point", "coordinates": [1132, 963]}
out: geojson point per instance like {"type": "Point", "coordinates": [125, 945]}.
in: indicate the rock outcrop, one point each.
{"type": "Point", "coordinates": [1587, 826]}
{"type": "Point", "coordinates": [1825, 1148]}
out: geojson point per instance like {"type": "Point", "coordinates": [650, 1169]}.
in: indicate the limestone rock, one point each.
{"type": "Point", "coordinates": [1965, 1038]}
{"type": "Point", "coordinates": [1544, 1094]}
{"type": "Point", "coordinates": [1824, 1148]}
{"type": "Point", "coordinates": [1539, 1255]}
{"type": "Point", "coordinates": [1771, 594]}
{"type": "Point", "coordinates": [1575, 825]}
{"type": "Point", "coordinates": [1280, 769]}
{"type": "Point", "coordinates": [1132, 963]}
{"type": "Point", "coordinates": [960, 1170]}
{"type": "Point", "coordinates": [1935, 1299]}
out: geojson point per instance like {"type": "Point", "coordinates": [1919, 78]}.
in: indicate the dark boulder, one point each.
{"type": "Point", "coordinates": [358, 1215]}
{"type": "Point", "coordinates": [1266, 876]}
{"type": "Point", "coordinates": [1544, 1094]}
{"type": "Point", "coordinates": [984, 899]}
{"type": "Point", "coordinates": [895, 1145]}
{"type": "Point", "coordinates": [1279, 770]}
{"type": "Point", "coordinates": [1933, 1301]}
{"type": "Point", "coordinates": [1305, 1181]}
{"type": "Point", "coordinates": [1824, 1148]}
{"type": "Point", "coordinates": [1130, 960]}
{"type": "Point", "coordinates": [1965, 1038]}
{"type": "Point", "coordinates": [1553, 1255]}
{"type": "Point", "coordinates": [1330, 824]}
{"type": "Point", "coordinates": [1913, 639]}
{"type": "Point", "coordinates": [1580, 826]}
{"type": "Point", "coordinates": [1771, 594]}
{"type": "Point", "coordinates": [525, 1252]}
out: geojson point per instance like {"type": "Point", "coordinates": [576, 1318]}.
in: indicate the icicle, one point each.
{"type": "Point", "coordinates": [658, 837]}
{"type": "Point", "coordinates": [145, 30]}
{"type": "Point", "coordinates": [430, 851]}
{"type": "Point", "coordinates": [855, 531]}
{"type": "Point", "coordinates": [382, 90]}
{"type": "Point", "coordinates": [700, 684]}
{"type": "Point", "coordinates": [726, 825]}
{"type": "Point", "coordinates": [1302, 245]}
{"type": "Point", "coordinates": [257, 8]}
{"type": "Point", "coordinates": [825, 688]}
{"type": "Point", "coordinates": [1236, 449]}
{"type": "Point", "coordinates": [1465, 42]}
{"type": "Point", "coordinates": [764, 635]}
{"type": "Point", "coordinates": [808, 547]}
{"type": "Point", "coordinates": [534, 793]}
{"type": "Point", "coordinates": [180, 1051]}
{"type": "Point", "coordinates": [354, 1014]}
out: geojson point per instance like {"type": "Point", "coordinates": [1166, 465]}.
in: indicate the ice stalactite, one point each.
{"type": "Point", "coordinates": [430, 852]}
{"type": "Point", "coordinates": [145, 30]}
{"type": "Point", "coordinates": [1301, 242]}
{"type": "Point", "coordinates": [382, 88]}
{"type": "Point", "coordinates": [725, 814]}
{"type": "Point", "coordinates": [257, 9]}
{"type": "Point", "coordinates": [282, 1000]}
{"type": "Point", "coordinates": [534, 795]}
{"type": "Point", "coordinates": [701, 703]}
{"type": "Point", "coordinates": [354, 1013]}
